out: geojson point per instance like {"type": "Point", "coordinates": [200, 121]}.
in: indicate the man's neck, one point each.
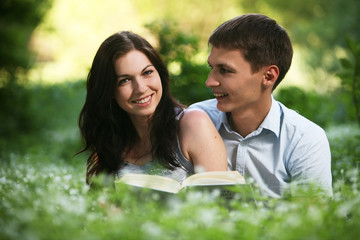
{"type": "Point", "coordinates": [246, 121]}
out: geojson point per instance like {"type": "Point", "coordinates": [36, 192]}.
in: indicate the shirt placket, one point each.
{"type": "Point", "coordinates": [241, 157]}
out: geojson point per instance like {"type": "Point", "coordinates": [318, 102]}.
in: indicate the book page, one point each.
{"type": "Point", "coordinates": [156, 182]}
{"type": "Point", "coordinates": [214, 178]}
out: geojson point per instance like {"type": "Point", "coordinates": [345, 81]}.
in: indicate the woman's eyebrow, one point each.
{"type": "Point", "coordinates": [123, 75]}
{"type": "Point", "coordinates": [150, 65]}
{"type": "Point", "coordinates": [128, 75]}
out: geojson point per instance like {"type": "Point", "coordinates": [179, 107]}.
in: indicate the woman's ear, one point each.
{"type": "Point", "coordinates": [271, 74]}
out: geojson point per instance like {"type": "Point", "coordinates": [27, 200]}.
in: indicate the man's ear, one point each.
{"type": "Point", "coordinates": [271, 74]}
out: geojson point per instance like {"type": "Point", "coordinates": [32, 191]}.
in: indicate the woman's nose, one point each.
{"type": "Point", "coordinates": [140, 86]}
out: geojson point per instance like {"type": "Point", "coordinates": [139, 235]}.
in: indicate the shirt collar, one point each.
{"type": "Point", "coordinates": [271, 121]}
{"type": "Point", "coordinates": [221, 119]}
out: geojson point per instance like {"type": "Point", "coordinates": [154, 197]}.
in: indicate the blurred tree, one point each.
{"type": "Point", "coordinates": [318, 26]}
{"type": "Point", "coordinates": [192, 16]}
{"type": "Point", "coordinates": [18, 19]}
{"type": "Point", "coordinates": [178, 50]}
{"type": "Point", "coordinates": [350, 75]}
{"type": "Point", "coordinates": [336, 107]}
{"type": "Point", "coordinates": [323, 109]}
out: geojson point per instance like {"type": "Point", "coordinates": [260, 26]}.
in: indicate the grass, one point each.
{"type": "Point", "coordinates": [43, 195]}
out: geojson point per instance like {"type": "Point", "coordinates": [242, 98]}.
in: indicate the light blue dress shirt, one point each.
{"type": "Point", "coordinates": [285, 148]}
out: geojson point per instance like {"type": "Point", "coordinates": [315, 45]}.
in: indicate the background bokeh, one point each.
{"type": "Point", "coordinates": [47, 47]}
{"type": "Point", "coordinates": [54, 41]}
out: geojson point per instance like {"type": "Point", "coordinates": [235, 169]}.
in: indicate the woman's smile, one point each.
{"type": "Point", "coordinates": [144, 101]}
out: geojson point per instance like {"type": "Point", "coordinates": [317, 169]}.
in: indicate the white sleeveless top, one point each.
{"type": "Point", "coordinates": [154, 168]}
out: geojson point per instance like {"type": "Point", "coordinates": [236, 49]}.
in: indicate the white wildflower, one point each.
{"type": "Point", "coordinates": [208, 216]}
{"type": "Point", "coordinates": [73, 191]}
{"type": "Point", "coordinates": [152, 230]}
{"type": "Point", "coordinates": [67, 177]}
{"type": "Point", "coordinates": [315, 214]}
{"type": "Point", "coordinates": [3, 180]}
{"type": "Point", "coordinates": [57, 179]}
{"type": "Point", "coordinates": [293, 220]}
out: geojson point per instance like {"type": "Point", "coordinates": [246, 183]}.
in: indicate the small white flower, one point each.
{"type": "Point", "coordinates": [73, 191]}
{"type": "Point", "coordinates": [152, 229]}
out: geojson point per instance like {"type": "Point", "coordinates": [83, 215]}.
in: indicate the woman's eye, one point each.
{"type": "Point", "coordinates": [123, 81]}
{"type": "Point", "coordinates": [148, 72]}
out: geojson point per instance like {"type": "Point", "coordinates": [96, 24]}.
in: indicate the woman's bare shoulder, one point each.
{"type": "Point", "coordinates": [196, 122]}
{"type": "Point", "coordinates": [194, 116]}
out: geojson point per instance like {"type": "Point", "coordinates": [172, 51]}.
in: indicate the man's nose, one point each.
{"type": "Point", "coordinates": [212, 81]}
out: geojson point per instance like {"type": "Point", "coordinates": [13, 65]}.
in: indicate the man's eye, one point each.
{"type": "Point", "coordinates": [224, 70]}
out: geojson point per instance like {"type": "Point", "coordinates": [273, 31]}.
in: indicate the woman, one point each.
{"type": "Point", "coordinates": [130, 122]}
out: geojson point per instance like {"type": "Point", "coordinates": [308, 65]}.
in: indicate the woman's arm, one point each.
{"type": "Point", "coordinates": [201, 143]}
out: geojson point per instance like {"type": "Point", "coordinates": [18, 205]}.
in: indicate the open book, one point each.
{"type": "Point", "coordinates": [166, 184]}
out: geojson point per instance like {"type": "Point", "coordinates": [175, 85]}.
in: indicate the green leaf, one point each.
{"type": "Point", "coordinates": [346, 63]}
{"type": "Point", "coordinates": [344, 76]}
{"type": "Point", "coordinates": [351, 45]}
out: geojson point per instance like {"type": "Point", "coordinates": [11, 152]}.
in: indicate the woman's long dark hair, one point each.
{"type": "Point", "coordinates": [106, 128]}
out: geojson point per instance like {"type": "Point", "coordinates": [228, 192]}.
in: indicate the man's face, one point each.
{"type": "Point", "coordinates": [234, 85]}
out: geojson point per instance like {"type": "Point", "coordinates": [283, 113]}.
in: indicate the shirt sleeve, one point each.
{"type": "Point", "coordinates": [310, 161]}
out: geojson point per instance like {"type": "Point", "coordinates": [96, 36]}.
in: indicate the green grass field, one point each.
{"type": "Point", "coordinates": [43, 194]}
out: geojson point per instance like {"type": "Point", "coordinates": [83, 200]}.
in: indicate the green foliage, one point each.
{"type": "Point", "coordinates": [15, 114]}
{"type": "Point", "coordinates": [178, 49]}
{"type": "Point", "coordinates": [308, 104]}
{"type": "Point", "coordinates": [315, 25]}
{"type": "Point", "coordinates": [31, 112]}
{"type": "Point", "coordinates": [350, 75]}
{"type": "Point", "coordinates": [345, 149]}
{"type": "Point", "coordinates": [18, 19]}
{"type": "Point", "coordinates": [323, 109]}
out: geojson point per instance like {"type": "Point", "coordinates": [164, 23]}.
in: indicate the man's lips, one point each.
{"type": "Point", "coordinates": [217, 95]}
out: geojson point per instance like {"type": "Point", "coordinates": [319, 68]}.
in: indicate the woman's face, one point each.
{"type": "Point", "coordinates": [138, 89]}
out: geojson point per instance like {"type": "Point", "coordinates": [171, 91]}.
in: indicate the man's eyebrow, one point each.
{"type": "Point", "coordinates": [221, 65]}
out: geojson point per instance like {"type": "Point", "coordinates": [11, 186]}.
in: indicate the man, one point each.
{"type": "Point", "coordinates": [265, 141]}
